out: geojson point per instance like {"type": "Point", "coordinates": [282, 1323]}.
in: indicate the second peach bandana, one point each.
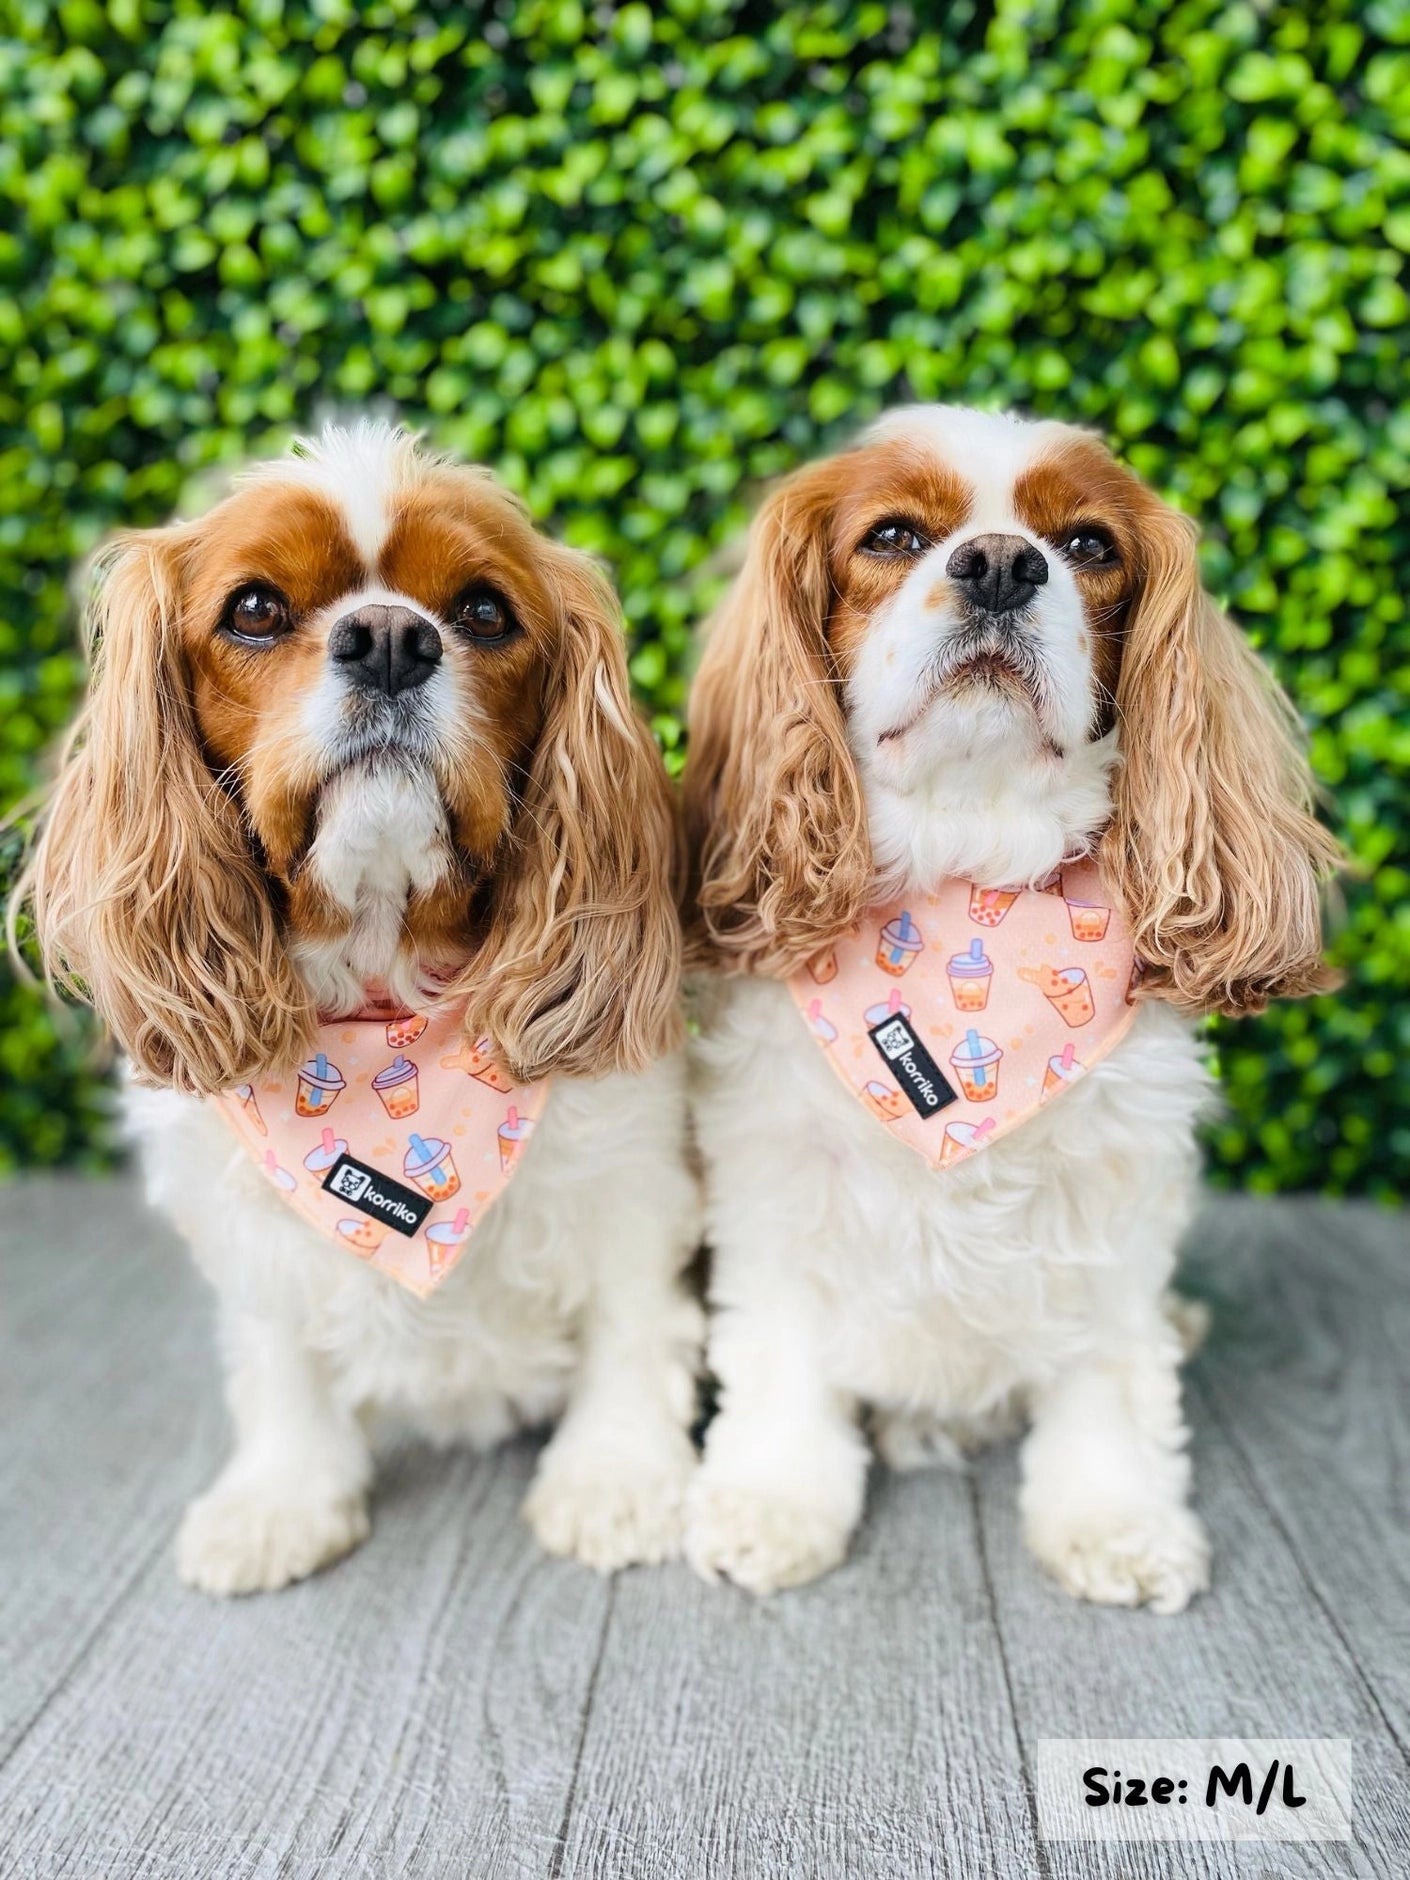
{"type": "Point", "coordinates": [393, 1138]}
{"type": "Point", "coordinates": [953, 1017]}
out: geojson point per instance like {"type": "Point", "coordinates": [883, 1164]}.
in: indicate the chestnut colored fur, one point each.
{"type": "Point", "coordinates": [167, 884]}
{"type": "Point", "coordinates": [1212, 848]}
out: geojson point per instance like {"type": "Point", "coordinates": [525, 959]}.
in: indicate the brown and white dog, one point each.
{"type": "Point", "coordinates": [363, 726]}
{"type": "Point", "coordinates": [972, 647]}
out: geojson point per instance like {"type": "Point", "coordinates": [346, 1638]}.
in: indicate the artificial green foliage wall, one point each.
{"type": "Point", "coordinates": [642, 258]}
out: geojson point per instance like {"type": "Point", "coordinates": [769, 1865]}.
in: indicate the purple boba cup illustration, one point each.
{"type": "Point", "coordinates": [970, 974]}
{"type": "Point", "coordinates": [823, 1028]}
{"type": "Point", "coordinates": [892, 1006]}
{"type": "Point", "coordinates": [318, 1161]}
{"type": "Point", "coordinates": [398, 1084]}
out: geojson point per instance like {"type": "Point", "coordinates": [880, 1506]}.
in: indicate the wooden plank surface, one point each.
{"type": "Point", "coordinates": [449, 1702]}
{"type": "Point", "coordinates": [860, 1726]}
{"type": "Point", "coordinates": [1308, 1379]}
{"type": "Point", "coordinates": [423, 1701]}
{"type": "Point", "coordinates": [105, 1408]}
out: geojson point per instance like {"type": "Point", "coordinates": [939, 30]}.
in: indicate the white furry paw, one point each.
{"type": "Point", "coordinates": [762, 1541]}
{"type": "Point", "coordinates": [611, 1511]}
{"type": "Point", "coordinates": [1158, 1559]}
{"type": "Point", "coordinates": [256, 1539]}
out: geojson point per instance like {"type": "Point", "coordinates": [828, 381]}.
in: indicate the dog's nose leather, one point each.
{"type": "Point", "coordinates": [385, 649]}
{"type": "Point", "coordinates": [997, 573]}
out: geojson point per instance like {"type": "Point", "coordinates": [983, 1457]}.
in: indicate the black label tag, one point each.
{"type": "Point", "coordinates": [368, 1190]}
{"type": "Point", "coordinates": [914, 1069]}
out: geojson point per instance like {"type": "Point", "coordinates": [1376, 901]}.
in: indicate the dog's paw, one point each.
{"type": "Point", "coordinates": [1158, 1559]}
{"type": "Point", "coordinates": [611, 1510]}
{"type": "Point", "coordinates": [762, 1541]}
{"type": "Point", "coordinates": [256, 1539]}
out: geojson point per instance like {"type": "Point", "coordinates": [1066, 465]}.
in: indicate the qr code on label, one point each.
{"type": "Point", "coordinates": [894, 1039]}
{"type": "Point", "coordinates": [351, 1183]}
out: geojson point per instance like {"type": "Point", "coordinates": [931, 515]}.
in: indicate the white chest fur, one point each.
{"type": "Point", "coordinates": [946, 1287]}
{"type": "Point", "coordinates": [381, 837]}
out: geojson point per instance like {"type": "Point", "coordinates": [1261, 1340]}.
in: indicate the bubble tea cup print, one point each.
{"type": "Point", "coordinates": [320, 1084]}
{"type": "Point", "coordinates": [898, 945]}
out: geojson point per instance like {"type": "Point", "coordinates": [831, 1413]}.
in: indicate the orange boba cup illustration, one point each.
{"type": "Point", "coordinates": [899, 945]}
{"type": "Point", "coordinates": [822, 967]}
{"type": "Point", "coordinates": [976, 1063]}
{"type": "Point", "coordinates": [443, 1240]}
{"type": "Point", "coordinates": [1087, 920]}
{"type": "Point", "coordinates": [988, 906]}
{"type": "Point", "coordinates": [1062, 1070]}
{"type": "Point", "coordinates": [514, 1132]}
{"type": "Point", "coordinates": [482, 1066]}
{"type": "Point", "coordinates": [364, 1237]}
{"type": "Point", "coordinates": [399, 1087]}
{"type": "Point", "coordinates": [431, 1165]}
{"type": "Point", "coordinates": [882, 1101]}
{"type": "Point", "coordinates": [405, 1030]}
{"type": "Point", "coordinates": [320, 1085]}
{"type": "Point", "coordinates": [970, 975]}
{"type": "Point", "coordinates": [477, 1060]}
{"type": "Point", "coordinates": [962, 1139]}
{"type": "Point", "coordinates": [1133, 984]}
{"type": "Point", "coordinates": [249, 1104]}
{"type": "Point", "coordinates": [1066, 988]}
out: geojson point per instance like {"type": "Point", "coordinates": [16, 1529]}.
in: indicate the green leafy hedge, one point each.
{"type": "Point", "coordinates": [644, 257]}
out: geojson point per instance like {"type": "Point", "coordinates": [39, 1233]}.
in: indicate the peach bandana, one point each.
{"type": "Point", "coordinates": [954, 1017]}
{"type": "Point", "coordinates": [393, 1138]}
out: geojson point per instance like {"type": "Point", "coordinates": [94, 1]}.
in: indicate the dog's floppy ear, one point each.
{"type": "Point", "coordinates": [1213, 849]}
{"type": "Point", "coordinates": [776, 831]}
{"type": "Point", "coordinates": [147, 900]}
{"type": "Point", "coordinates": [580, 970]}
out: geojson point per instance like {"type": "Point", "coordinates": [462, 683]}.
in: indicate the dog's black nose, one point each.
{"type": "Point", "coordinates": [997, 573]}
{"type": "Point", "coordinates": [385, 649]}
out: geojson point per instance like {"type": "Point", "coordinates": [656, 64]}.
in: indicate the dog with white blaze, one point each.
{"type": "Point", "coordinates": [986, 803]}
{"type": "Point", "coordinates": [363, 855]}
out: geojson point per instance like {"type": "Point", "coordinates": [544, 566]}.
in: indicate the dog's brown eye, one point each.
{"type": "Point", "coordinates": [895, 536]}
{"type": "Point", "coordinates": [484, 614]}
{"type": "Point", "coordinates": [1087, 546]}
{"type": "Point", "coordinates": [256, 614]}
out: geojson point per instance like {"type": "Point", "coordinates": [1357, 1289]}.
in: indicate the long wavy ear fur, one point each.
{"type": "Point", "coordinates": [1213, 848]}
{"type": "Point", "coordinates": [580, 970]}
{"type": "Point", "coordinates": [147, 900]}
{"type": "Point", "coordinates": [776, 830]}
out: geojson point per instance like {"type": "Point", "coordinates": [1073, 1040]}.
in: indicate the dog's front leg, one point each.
{"type": "Point", "coordinates": [611, 1484]}
{"type": "Point", "coordinates": [1106, 1478]}
{"type": "Point", "coordinates": [293, 1496]}
{"type": "Point", "coordinates": [780, 1490]}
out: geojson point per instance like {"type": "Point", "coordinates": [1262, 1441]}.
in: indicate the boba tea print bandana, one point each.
{"type": "Point", "coordinates": [954, 1017]}
{"type": "Point", "coordinates": [393, 1138]}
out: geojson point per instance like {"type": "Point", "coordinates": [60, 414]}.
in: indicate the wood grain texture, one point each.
{"type": "Point", "coordinates": [1308, 1380]}
{"type": "Point", "coordinates": [860, 1726]}
{"type": "Point", "coordinates": [449, 1702]}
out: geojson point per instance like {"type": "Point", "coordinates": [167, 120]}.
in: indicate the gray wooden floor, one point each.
{"type": "Point", "coordinates": [448, 1702]}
